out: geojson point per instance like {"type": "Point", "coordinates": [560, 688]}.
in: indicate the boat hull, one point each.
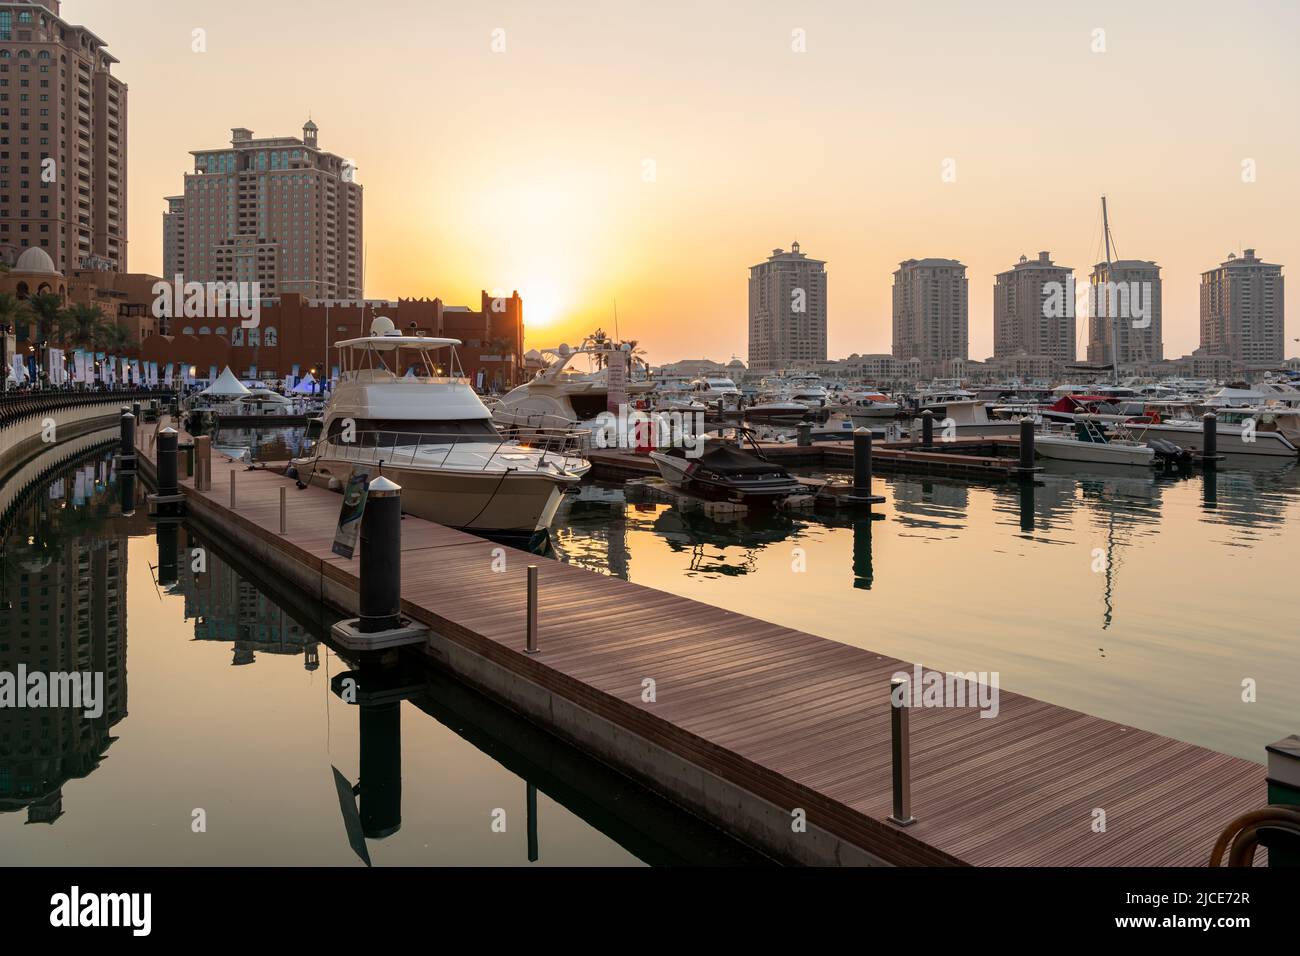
{"type": "Point", "coordinates": [759, 492]}
{"type": "Point", "coordinates": [1230, 440]}
{"type": "Point", "coordinates": [1097, 453]}
{"type": "Point", "coordinates": [500, 503]}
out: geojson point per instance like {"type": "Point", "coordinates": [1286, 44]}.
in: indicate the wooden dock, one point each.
{"type": "Point", "coordinates": [752, 722]}
{"type": "Point", "coordinates": [981, 459]}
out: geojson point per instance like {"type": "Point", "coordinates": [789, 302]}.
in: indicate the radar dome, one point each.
{"type": "Point", "coordinates": [382, 325]}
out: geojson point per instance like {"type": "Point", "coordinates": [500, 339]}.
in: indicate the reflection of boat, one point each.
{"type": "Point", "coordinates": [433, 436]}
{"type": "Point", "coordinates": [726, 548]}
{"type": "Point", "coordinates": [1090, 444]}
{"type": "Point", "coordinates": [726, 472]}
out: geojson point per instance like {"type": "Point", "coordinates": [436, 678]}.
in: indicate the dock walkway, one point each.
{"type": "Point", "coordinates": [752, 721]}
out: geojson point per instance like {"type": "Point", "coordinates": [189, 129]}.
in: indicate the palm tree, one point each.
{"type": "Point", "coordinates": [80, 325]}
{"type": "Point", "coordinates": [47, 309]}
{"type": "Point", "coordinates": [110, 335]}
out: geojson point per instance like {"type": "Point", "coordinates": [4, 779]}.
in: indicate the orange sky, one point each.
{"type": "Point", "coordinates": [524, 169]}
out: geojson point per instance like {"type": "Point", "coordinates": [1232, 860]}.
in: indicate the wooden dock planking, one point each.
{"type": "Point", "coordinates": [798, 720]}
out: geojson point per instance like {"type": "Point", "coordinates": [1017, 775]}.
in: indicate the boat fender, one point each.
{"type": "Point", "coordinates": [291, 472]}
{"type": "Point", "coordinates": [335, 484]}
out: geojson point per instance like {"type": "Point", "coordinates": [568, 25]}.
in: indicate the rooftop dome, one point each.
{"type": "Point", "coordinates": [35, 260]}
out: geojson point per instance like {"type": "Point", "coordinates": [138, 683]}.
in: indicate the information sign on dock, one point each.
{"type": "Point", "coordinates": [354, 506]}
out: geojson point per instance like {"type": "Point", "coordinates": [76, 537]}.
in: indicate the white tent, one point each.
{"type": "Point", "coordinates": [226, 385]}
{"type": "Point", "coordinates": [307, 386]}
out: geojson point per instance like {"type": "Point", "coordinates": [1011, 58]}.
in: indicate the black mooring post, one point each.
{"type": "Point", "coordinates": [862, 462]}
{"type": "Point", "coordinates": [1210, 436]}
{"type": "Point", "coordinates": [167, 472]}
{"type": "Point", "coordinates": [126, 446]}
{"type": "Point", "coordinates": [380, 600]}
{"type": "Point", "coordinates": [927, 428]}
{"type": "Point", "coordinates": [1026, 443]}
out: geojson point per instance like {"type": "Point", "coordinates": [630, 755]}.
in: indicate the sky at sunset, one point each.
{"type": "Point", "coordinates": [527, 168]}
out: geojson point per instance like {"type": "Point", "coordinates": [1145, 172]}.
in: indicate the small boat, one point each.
{"type": "Point", "coordinates": [727, 472]}
{"type": "Point", "coordinates": [1091, 445]}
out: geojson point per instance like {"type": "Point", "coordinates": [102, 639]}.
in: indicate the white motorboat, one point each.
{"type": "Point", "coordinates": [392, 412]}
{"type": "Point", "coordinates": [561, 397]}
{"type": "Point", "coordinates": [1087, 442]}
{"type": "Point", "coordinates": [966, 418]}
{"type": "Point", "coordinates": [869, 408]}
{"type": "Point", "coordinates": [1272, 432]}
{"type": "Point", "coordinates": [711, 389]}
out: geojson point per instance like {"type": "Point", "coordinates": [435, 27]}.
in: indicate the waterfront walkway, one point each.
{"type": "Point", "coordinates": [769, 719]}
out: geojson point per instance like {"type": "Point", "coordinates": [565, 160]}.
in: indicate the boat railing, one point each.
{"type": "Point", "coordinates": [421, 447]}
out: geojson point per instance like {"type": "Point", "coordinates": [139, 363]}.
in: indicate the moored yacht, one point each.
{"type": "Point", "coordinates": [393, 413]}
{"type": "Point", "coordinates": [560, 396]}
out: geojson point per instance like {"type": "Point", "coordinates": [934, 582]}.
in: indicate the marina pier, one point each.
{"type": "Point", "coordinates": [779, 737]}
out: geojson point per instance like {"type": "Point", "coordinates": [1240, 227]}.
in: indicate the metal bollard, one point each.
{"type": "Point", "coordinates": [862, 462]}
{"type": "Point", "coordinates": [284, 512]}
{"type": "Point", "coordinates": [1210, 435]}
{"type": "Point", "coordinates": [531, 645]}
{"type": "Point", "coordinates": [167, 464]}
{"type": "Point", "coordinates": [203, 463]}
{"type": "Point", "coordinates": [805, 434]}
{"type": "Point", "coordinates": [1026, 442]}
{"type": "Point", "coordinates": [927, 428]}
{"type": "Point", "coordinates": [899, 731]}
{"type": "Point", "coordinates": [380, 600]}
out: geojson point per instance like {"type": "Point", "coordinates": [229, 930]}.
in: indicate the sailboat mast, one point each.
{"type": "Point", "coordinates": [1114, 320]}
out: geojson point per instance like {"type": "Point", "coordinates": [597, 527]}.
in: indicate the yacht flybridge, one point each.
{"type": "Point", "coordinates": [395, 412]}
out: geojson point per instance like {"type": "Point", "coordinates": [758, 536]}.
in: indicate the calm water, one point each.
{"type": "Point", "coordinates": [219, 698]}
{"type": "Point", "coordinates": [1146, 601]}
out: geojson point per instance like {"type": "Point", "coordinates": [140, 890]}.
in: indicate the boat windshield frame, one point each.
{"type": "Point", "coordinates": [369, 354]}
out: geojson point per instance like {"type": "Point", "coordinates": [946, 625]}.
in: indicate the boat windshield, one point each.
{"type": "Point", "coordinates": [387, 432]}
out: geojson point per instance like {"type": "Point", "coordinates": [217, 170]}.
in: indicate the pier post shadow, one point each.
{"type": "Point", "coordinates": [1027, 517]}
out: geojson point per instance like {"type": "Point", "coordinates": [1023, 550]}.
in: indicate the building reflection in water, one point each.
{"type": "Point", "coordinates": [63, 569]}
{"type": "Point", "coordinates": [226, 606]}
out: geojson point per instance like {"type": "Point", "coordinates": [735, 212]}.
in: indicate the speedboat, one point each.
{"type": "Point", "coordinates": [394, 413]}
{"type": "Point", "coordinates": [1089, 443]}
{"type": "Point", "coordinates": [1271, 431]}
{"type": "Point", "coordinates": [727, 472]}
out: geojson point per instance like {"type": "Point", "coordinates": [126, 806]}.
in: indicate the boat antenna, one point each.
{"type": "Point", "coordinates": [1114, 320]}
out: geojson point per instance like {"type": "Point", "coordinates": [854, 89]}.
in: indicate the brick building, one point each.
{"type": "Point", "coordinates": [294, 332]}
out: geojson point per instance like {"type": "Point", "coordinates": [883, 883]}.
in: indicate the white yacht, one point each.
{"type": "Point", "coordinates": [712, 388]}
{"type": "Point", "coordinates": [1270, 431]}
{"type": "Point", "coordinates": [563, 397]}
{"type": "Point", "coordinates": [392, 412]}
